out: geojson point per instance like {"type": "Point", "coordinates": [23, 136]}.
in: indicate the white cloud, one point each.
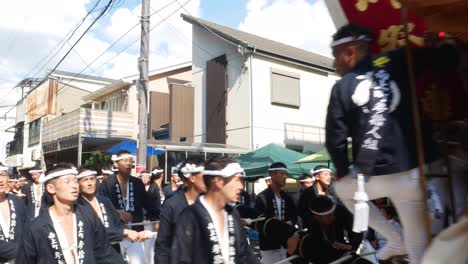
{"type": "Point", "coordinates": [298, 23]}
{"type": "Point", "coordinates": [30, 29]}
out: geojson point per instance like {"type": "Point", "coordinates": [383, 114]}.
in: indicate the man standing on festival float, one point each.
{"type": "Point", "coordinates": [12, 219]}
{"type": "Point", "coordinates": [372, 105]}
{"type": "Point", "coordinates": [191, 173]}
{"type": "Point", "coordinates": [64, 231]}
{"type": "Point", "coordinates": [273, 202]}
{"type": "Point", "coordinates": [33, 191]}
{"type": "Point", "coordinates": [209, 231]}
{"type": "Point", "coordinates": [128, 195]}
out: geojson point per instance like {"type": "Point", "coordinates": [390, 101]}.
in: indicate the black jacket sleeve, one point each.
{"type": "Point", "coordinates": [245, 253]}
{"type": "Point", "coordinates": [8, 250]}
{"type": "Point", "coordinates": [162, 247]}
{"type": "Point", "coordinates": [185, 238]}
{"type": "Point", "coordinates": [103, 251]}
{"type": "Point", "coordinates": [116, 227]}
{"type": "Point", "coordinates": [337, 132]}
{"type": "Point", "coordinates": [291, 210]}
{"type": "Point", "coordinates": [27, 252]}
{"type": "Point", "coordinates": [152, 203]}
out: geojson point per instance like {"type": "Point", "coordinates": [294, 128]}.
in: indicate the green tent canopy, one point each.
{"type": "Point", "coordinates": [256, 163]}
{"type": "Point", "coordinates": [322, 156]}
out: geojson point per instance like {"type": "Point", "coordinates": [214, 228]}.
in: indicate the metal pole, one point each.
{"type": "Point", "coordinates": [142, 85]}
{"type": "Point", "coordinates": [80, 150]}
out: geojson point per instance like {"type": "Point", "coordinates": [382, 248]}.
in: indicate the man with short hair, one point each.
{"type": "Point", "coordinates": [129, 197]}
{"type": "Point", "coordinates": [33, 191]}
{"type": "Point", "coordinates": [273, 202]}
{"type": "Point", "coordinates": [103, 208]}
{"type": "Point", "coordinates": [12, 219]}
{"type": "Point", "coordinates": [65, 231]}
{"type": "Point", "coordinates": [321, 186]}
{"type": "Point", "coordinates": [372, 105]}
{"type": "Point", "coordinates": [209, 231]}
{"type": "Point", "coordinates": [191, 172]}
{"type": "Point", "coordinates": [305, 181]}
{"type": "Point", "coordinates": [330, 235]}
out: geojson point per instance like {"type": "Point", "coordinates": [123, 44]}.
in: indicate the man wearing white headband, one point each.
{"type": "Point", "coordinates": [106, 172]}
{"type": "Point", "coordinates": [191, 172]}
{"type": "Point", "coordinates": [175, 185]}
{"type": "Point", "coordinates": [372, 104]}
{"type": "Point", "coordinates": [321, 186]}
{"type": "Point", "coordinates": [12, 219]}
{"type": "Point", "coordinates": [129, 197]}
{"type": "Point", "coordinates": [273, 202]}
{"type": "Point", "coordinates": [209, 231]}
{"type": "Point", "coordinates": [330, 235]}
{"type": "Point", "coordinates": [33, 191]}
{"type": "Point", "coordinates": [65, 231]}
{"type": "Point", "coordinates": [115, 229]}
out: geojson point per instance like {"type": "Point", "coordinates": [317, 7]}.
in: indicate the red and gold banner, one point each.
{"type": "Point", "coordinates": [384, 18]}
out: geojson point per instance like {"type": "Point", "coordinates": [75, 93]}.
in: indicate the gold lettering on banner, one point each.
{"type": "Point", "coordinates": [394, 37]}
{"type": "Point", "coordinates": [362, 5]}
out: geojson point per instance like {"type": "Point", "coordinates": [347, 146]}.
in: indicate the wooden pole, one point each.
{"type": "Point", "coordinates": [417, 126]}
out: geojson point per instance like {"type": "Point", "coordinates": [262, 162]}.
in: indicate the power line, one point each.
{"type": "Point", "coordinates": [64, 40]}
{"type": "Point", "coordinates": [121, 51]}
{"type": "Point", "coordinates": [104, 10]}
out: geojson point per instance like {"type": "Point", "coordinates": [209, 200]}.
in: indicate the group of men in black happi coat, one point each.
{"type": "Point", "coordinates": [69, 215]}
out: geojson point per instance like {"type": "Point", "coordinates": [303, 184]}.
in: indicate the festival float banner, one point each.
{"type": "Point", "coordinates": [383, 17]}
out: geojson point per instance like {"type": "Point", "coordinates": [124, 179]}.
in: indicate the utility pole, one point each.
{"type": "Point", "coordinates": [142, 84]}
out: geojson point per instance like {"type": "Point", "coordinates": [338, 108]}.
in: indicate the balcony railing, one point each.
{"type": "Point", "coordinates": [89, 123]}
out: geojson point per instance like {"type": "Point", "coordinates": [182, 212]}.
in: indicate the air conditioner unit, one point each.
{"type": "Point", "coordinates": [36, 154]}
{"type": "Point", "coordinates": [15, 160]}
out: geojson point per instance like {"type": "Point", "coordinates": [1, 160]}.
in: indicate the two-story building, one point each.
{"type": "Point", "coordinates": [110, 115]}
{"type": "Point", "coordinates": [251, 91]}
{"type": "Point", "coordinates": [57, 96]}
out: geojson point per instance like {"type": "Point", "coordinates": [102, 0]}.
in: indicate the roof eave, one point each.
{"type": "Point", "coordinates": [106, 90]}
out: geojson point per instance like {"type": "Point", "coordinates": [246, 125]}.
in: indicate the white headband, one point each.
{"type": "Point", "coordinates": [325, 213]}
{"type": "Point", "coordinates": [13, 180]}
{"type": "Point", "coordinates": [34, 171]}
{"type": "Point", "coordinates": [124, 156]}
{"type": "Point", "coordinates": [188, 169]}
{"type": "Point", "coordinates": [320, 170]}
{"type": "Point", "coordinates": [307, 180]}
{"type": "Point", "coordinates": [58, 174]}
{"type": "Point", "coordinates": [230, 170]}
{"type": "Point", "coordinates": [267, 178]}
{"type": "Point", "coordinates": [349, 39]}
{"type": "Point", "coordinates": [144, 174]}
{"type": "Point", "coordinates": [86, 174]}
{"type": "Point", "coordinates": [107, 172]}
{"type": "Point", "coordinates": [156, 171]}
{"type": "Point", "coordinates": [3, 168]}
{"type": "Point", "coordinates": [278, 169]}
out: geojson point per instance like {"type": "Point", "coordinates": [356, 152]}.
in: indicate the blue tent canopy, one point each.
{"type": "Point", "coordinates": [131, 146]}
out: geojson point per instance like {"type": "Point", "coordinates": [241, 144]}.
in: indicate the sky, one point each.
{"type": "Point", "coordinates": [32, 32]}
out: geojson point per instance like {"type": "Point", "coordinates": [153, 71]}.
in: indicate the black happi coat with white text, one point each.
{"type": "Point", "coordinates": [18, 217]}
{"type": "Point", "coordinates": [138, 199]}
{"type": "Point", "coordinates": [195, 240]}
{"type": "Point", "coordinates": [30, 199]}
{"type": "Point", "coordinates": [111, 219]}
{"type": "Point", "coordinates": [41, 245]}
{"type": "Point", "coordinates": [265, 202]}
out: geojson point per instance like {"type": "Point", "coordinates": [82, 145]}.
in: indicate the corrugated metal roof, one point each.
{"type": "Point", "coordinates": [264, 45]}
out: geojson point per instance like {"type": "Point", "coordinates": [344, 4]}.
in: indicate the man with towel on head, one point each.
{"type": "Point", "coordinates": [209, 231]}
{"type": "Point", "coordinates": [65, 231]}
{"type": "Point", "coordinates": [129, 197]}
{"type": "Point", "coordinates": [33, 191]}
{"type": "Point", "coordinates": [273, 202]}
{"type": "Point", "coordinates": [12, 219]}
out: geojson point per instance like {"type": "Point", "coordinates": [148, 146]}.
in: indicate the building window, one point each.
{"type": "Point", "coordinates": [285, 88]}
{"type": "Point", "coordinates": [34, 132]}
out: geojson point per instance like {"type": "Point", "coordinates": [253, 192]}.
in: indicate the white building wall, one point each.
{"type": "Point", "coordinates": [270, 120]}
{"type": "Point", "coordinates": [238, 111]}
